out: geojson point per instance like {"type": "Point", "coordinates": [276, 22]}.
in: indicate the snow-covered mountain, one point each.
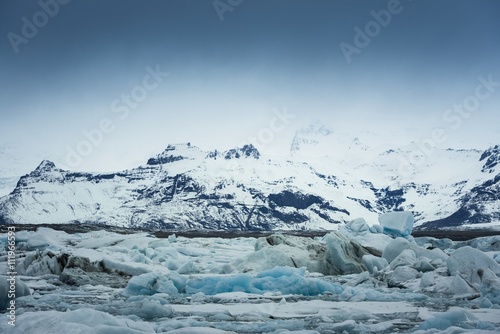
{"type": "Point", "coordinates": [443, 187]}
{"type": "Point", "coordinates": [185, 187]}
{"type": "Point", "coordinates": [316, 187]}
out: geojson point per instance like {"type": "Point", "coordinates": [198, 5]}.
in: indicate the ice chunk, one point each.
{"type": "Point", "coordinates": [189, 268]}
{"type": "Point", "coordinates": [292, 281]}
{"type": "Point", "coordinates": [120, 266]}
{"type": "Point", "coordinates": [344, 326]}
{"type": "Point", "coordinates": [427, 279]}
{"type": "Point", "coordinates": [407, 258]}
{"type": "Point", "coordinates": [83, 320]}
{"type": "Point", "coordinates": [402, 275]}
{"type": "Point", "coordinates": [496, 257]}
{"type": "Point", "coordinates": [423, 265]}
{"type": "Point", "coordinates": [6, 282]}
{"type": "Point", "coordinates": [281, 250]}
{"type": "Point", "coordinates": [212, 285]}
{"type": "Point", "coordinates": [431, 242]}
{"type": "Point", "coordinates": [490, 286]}
{"type": "Point", "coordinates": [149, 284]}
{"type": "Point", "coordinates": [455, 316]}
{"type": "Point", "coordinates": [344, 254]}
{"type": "Point", "coordinates": [38, 264]}
{"type": "Point", "coordinates": [360, 278]}
{"type": "Point", "coordinates": [147, 309]}
{"type": "Point", "coordinates": [36, 242]}
{"type": "Point", "coordinates": [484, 244]}
{"type": "Point", "coordinates": [75, 276]}
{"type": "Point", "coordinates": [434, 255]}
{"type": "Point", "coordinates": [397, 223]}
{"type": "Point", "coordinates": [140, 258]}
{"type": "Point", "coordinates": [459, 287]}
{"type": "Point", "coordinates": [376, 228]}
{"type": "Point", "coordinates": [398, 245]}
{"type": "Point", "coordinates": [394, 248]}
{"type": "Point", "coordinates": [485, 303]}
{"type": "Point", "coordinates": [471, 263]}
{"type": "Point", "coordinates": [269, 257]}
{"type": "Point", "coordinates": [380, 327]}
{"type": "Point", "coordinates": [371, 262]}
{"type": "Point", "coordinates": [285, 280]}
{"type": "Point", "coordinates": [375, 243]}
{"type": "Point", "coordinates": [160, 243]}
{"type": "Point", "coordinates": [144, 307]}
{"type": "Point", "coordinates": [193, 252]}
{"type": "Point", "coordinates": [357, 226]}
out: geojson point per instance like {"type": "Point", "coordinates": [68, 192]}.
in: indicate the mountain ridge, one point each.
{"type": "Point", "coordinates": [184, 187]}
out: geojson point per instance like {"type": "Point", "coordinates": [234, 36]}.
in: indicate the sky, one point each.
{"type": "Point", "coordinates": [102, 85]}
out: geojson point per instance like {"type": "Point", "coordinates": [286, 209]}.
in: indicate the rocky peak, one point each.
{"type": "Point", "coordinates": [175, 153]}
{"type": "Point", "coordinates": [43, 167]}
{"type": "Point", "coordinates": [247, 151]}
{"type": "Point", "coordinates": [492, 157]}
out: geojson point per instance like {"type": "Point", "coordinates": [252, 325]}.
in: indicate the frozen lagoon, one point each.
{"type": "Point", "coordinates": [355, 280]}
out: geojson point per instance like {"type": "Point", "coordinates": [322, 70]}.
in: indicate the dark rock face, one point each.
{"type": "Point", "coordinates": [45, 166]}
{"type": "Point", "coordinates": [247, 151]}
{"type": "Point", "coordinates": [164, 160]}
{"type": "Point", "coordinates": [390, 199]}
{"type": "Point", "coordinates": [472, 210]}
{"type": "Point", "coordinates": [491, 158]}
{"type": "Point", "coordinates": [167, 156]}
{"type": "Point", "coordinates": [295, 200]}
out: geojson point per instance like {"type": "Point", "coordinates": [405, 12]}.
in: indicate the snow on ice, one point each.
{"type": "Point", "coordinates": [359, 279]}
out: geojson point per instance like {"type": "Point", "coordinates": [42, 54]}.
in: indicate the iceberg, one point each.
{"type": "Point", "coordinates": [397, 223]}
{"type": "Point", "coordinates": [471, 264]}
{"type": "Point", "coordinates": [374, 263]}
{"type": "Point", "coordinates": [357, 226]}
{"type": "Point", "coordinates": [91, 283]}
{"type": "Point", "coordinates": [285, 280]}
{"type": "Point", "coordinates": [344, 254]}
{"type": "Point", "coordinates": [150, 284]}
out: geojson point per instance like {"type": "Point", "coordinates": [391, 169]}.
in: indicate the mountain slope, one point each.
{"type": "Point", "coordinates": [185, 187]}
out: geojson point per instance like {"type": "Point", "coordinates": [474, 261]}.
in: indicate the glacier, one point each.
{"type": "Point", "coordinates": [356, 279]}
